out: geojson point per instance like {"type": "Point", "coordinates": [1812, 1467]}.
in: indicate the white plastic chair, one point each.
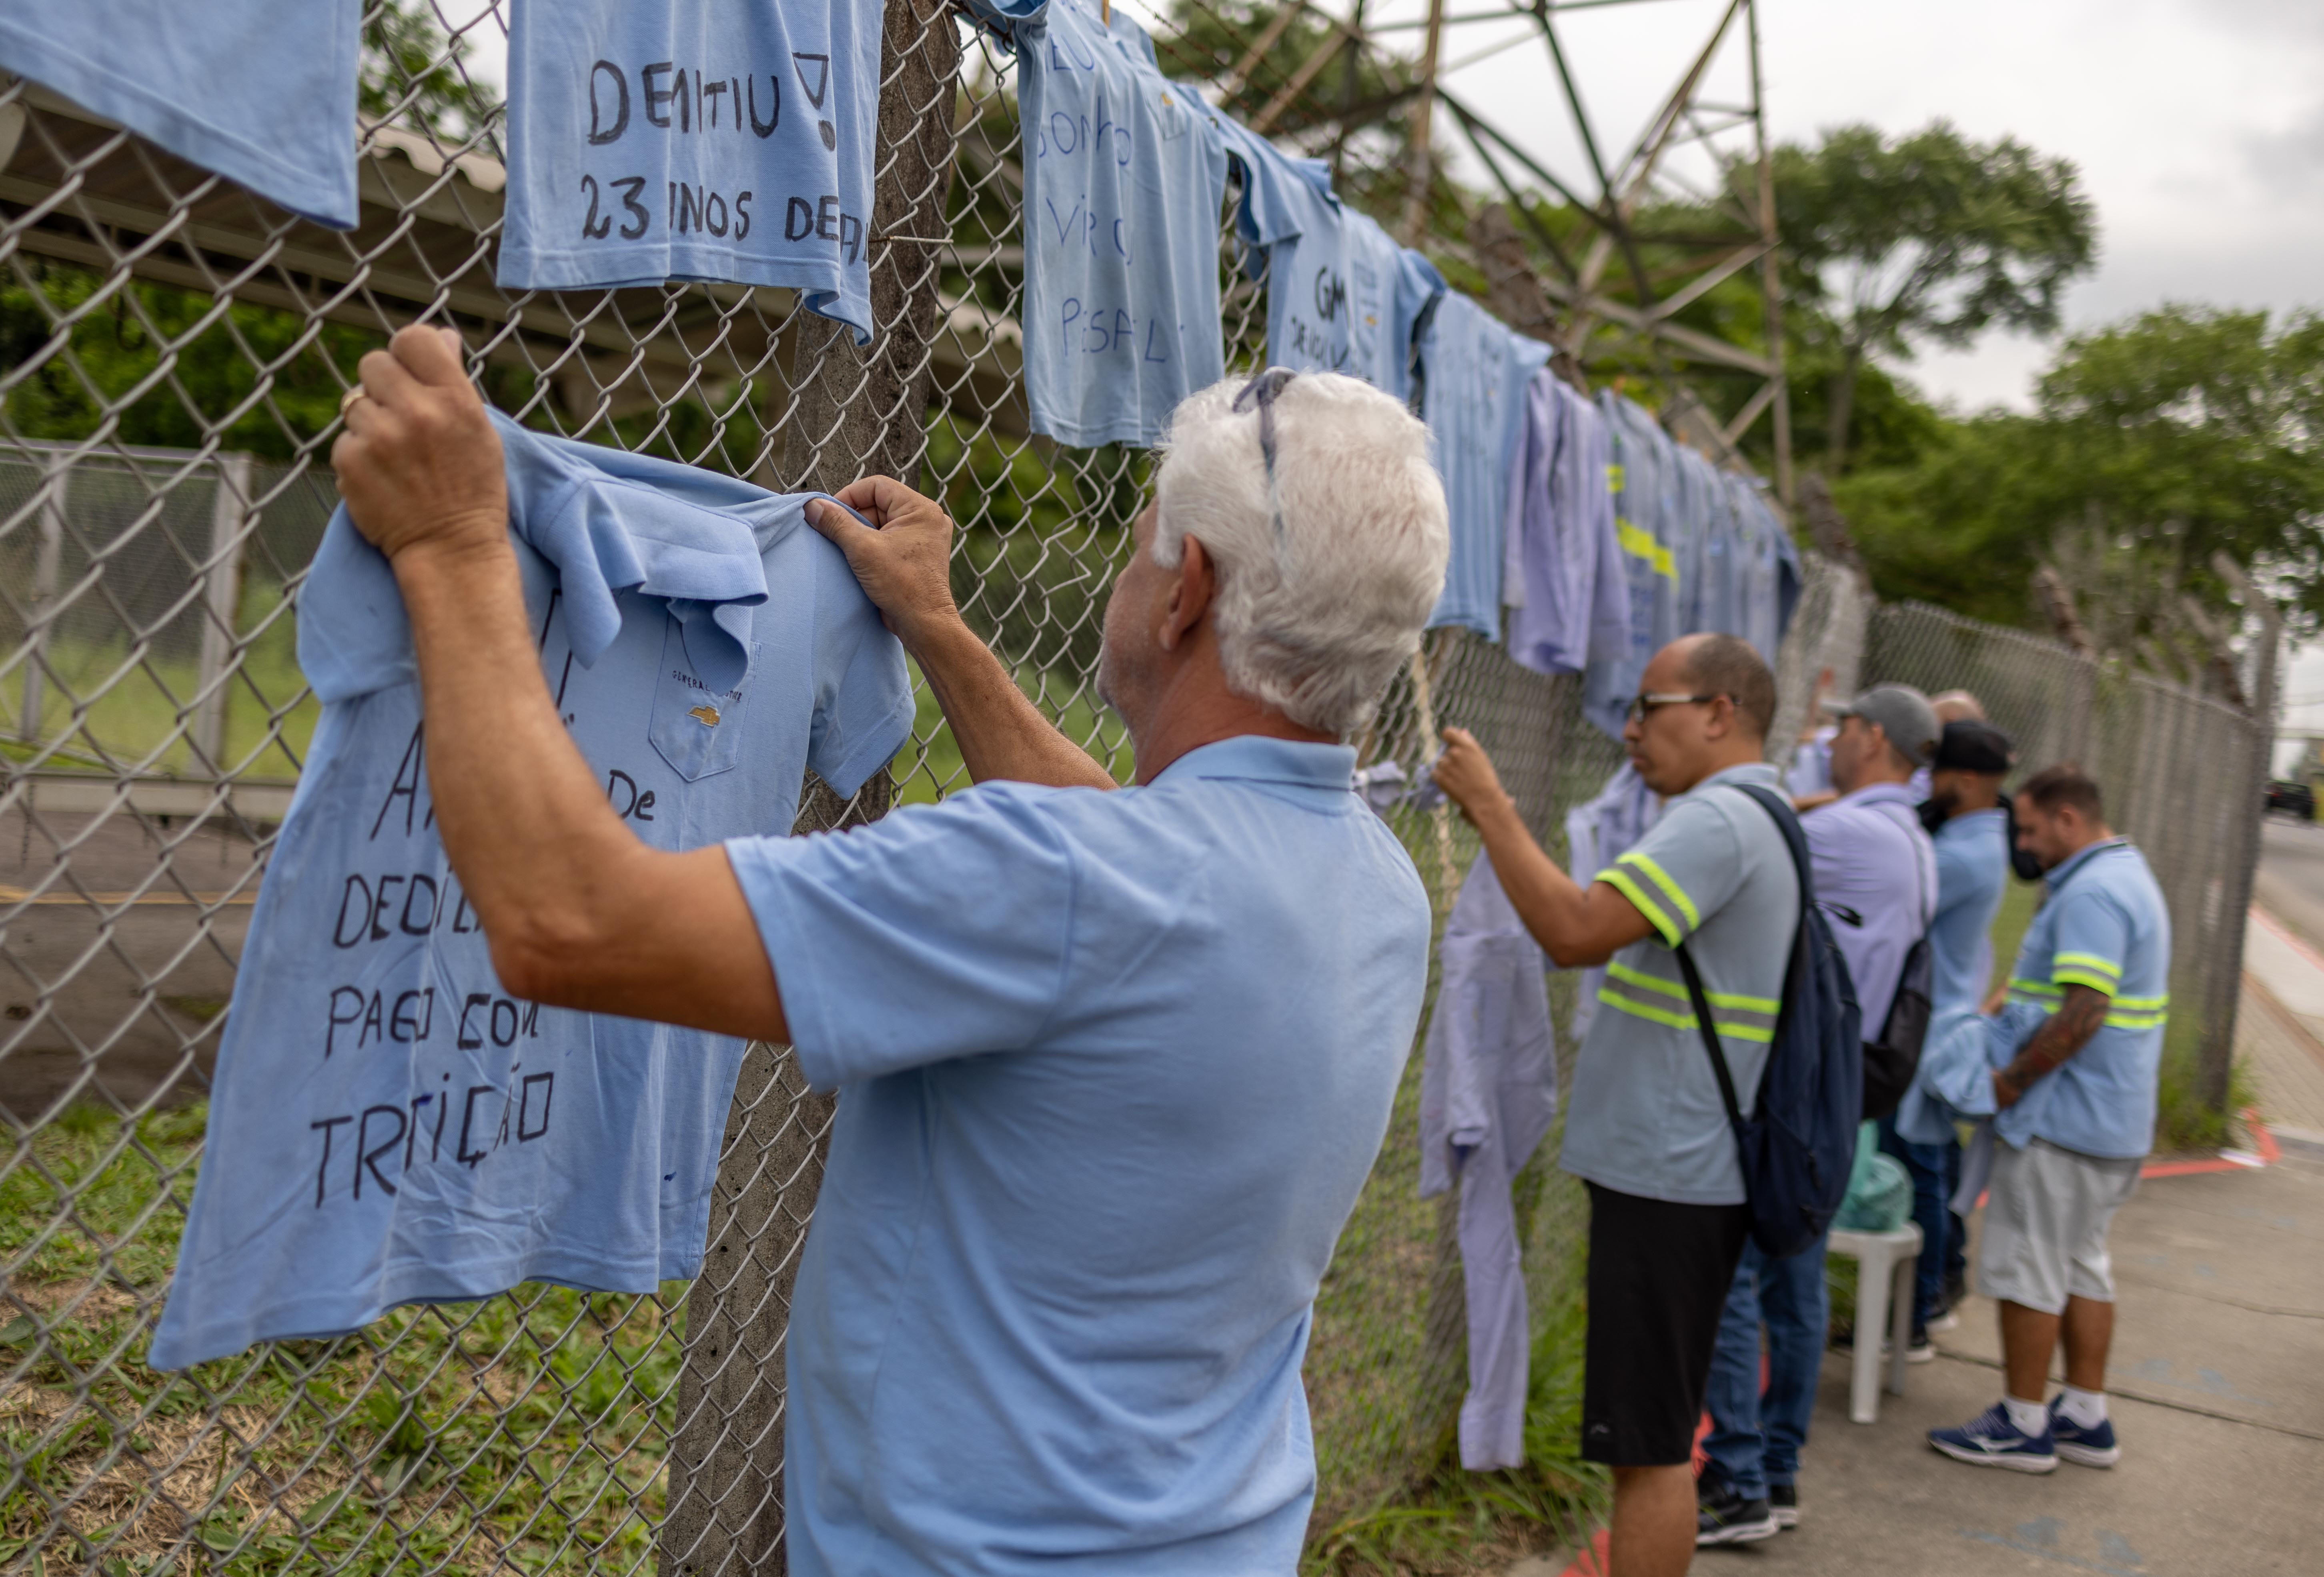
{"type": "Point", "coordinates": [1886, 1262]}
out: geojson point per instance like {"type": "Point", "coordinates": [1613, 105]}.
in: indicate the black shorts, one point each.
{"type": "Point", "coordinates": [1658, 1278]}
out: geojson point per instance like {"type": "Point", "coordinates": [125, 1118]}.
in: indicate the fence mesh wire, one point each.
{"type": "Point", "coordinates": [173, 356]}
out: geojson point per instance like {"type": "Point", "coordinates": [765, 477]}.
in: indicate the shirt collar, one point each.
{"type": "Point", "coordinates": [1881, 794]}
{"type": "Point", "coordinates": [1969, 819]}
{"type": "Point", "coordinates": [2080, 858]}
{"type": "Point", "coordinates": [1257, 757]}
{"type": "Point", "coordinates": [1759, 772]}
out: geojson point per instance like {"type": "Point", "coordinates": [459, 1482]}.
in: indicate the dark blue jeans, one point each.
{"type": "Point", "coordinates": [1936, 1171]}
{"type": "Point", "coordinates": [1755, 1439]}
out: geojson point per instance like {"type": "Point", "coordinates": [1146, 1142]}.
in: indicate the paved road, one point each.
{"type": "Point", "coordinates": [2290, 883]}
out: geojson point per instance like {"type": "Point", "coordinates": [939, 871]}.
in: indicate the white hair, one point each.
{"type": "Point", "coordinates": [1317, 624]}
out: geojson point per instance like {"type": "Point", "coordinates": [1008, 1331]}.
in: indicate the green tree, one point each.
{"type": "Point", "coordinates": [1928, 237]}
{"type": "Point", "coordinates": [414, 73]}
{"type": "Point", "coordinates": [2182, 432]}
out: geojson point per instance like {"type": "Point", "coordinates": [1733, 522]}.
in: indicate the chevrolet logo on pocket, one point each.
{"type": "Point", "coordinates": [706, 716]}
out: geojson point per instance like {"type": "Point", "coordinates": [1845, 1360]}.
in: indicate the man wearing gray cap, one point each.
{"type": "Point", "coordinates": [1875, 876]}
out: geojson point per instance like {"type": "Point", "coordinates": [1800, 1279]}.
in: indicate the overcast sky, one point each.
{"type": "Point", "coordinates": [2198, 125]}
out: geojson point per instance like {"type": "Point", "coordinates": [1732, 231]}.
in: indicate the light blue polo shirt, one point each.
{"type": "Point", "coordinates": [1972, 871]}
{"type": "Point", "coordinates": [1342, 296]}
{"type": "Point", "coordinates": [388, 1123]}
{"type": "Point", "coordinates": [263, 94]}
{"type": "Point", "coordinates": [1646, 505]}
{"type": "Point", "coordinates": [1477, 369]}
{"type": "Point", "coordinates": [1645, 1116]}
{"type": "Point", "coordinates": [696, 139]}
{"type": "Point", "coordinates": [1125, 179]}
{"type": "Point", "coordinates": [1114, 1068]}
{"type": "Point", "coordinates": [2105, 926]}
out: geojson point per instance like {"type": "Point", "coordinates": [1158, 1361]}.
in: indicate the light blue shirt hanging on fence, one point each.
{"type": "Point", "coordinates": [1125, 179]}
{"type": "Point", "coordinates": [389, 1125]}
{"type": "Point", "coordinates": [695, 141]}
{"type": "Point", "coordinates": [1645, 507]}
{"type": "Point", "coordinates": [1473, 401]}
{"type": "Point", "coordinates": [1114, 1068]}
{"type": "Point", "coordinates": [1341, 297]}
{"type": "Point", "coordinates": [1565, 581]}
{"type": "Point", "coordinates": [263, 94]}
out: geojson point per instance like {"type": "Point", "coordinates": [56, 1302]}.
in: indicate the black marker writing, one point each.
{"type": "Point", "coordinates": [410, 775]}
{"type": "Point", "coordinates": [327, 1124]}
{"type": "Point", "coordinates": [367, 1159]}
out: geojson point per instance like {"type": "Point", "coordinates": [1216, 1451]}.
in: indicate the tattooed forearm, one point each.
{"type": "Point", "coordinates": [2063, 1034]}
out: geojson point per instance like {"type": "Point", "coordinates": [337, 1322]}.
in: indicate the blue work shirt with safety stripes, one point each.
{"type": "Point", "coordinates": [1645, 1116]}
{"type": "Point", "coordinates": [2104, 926]}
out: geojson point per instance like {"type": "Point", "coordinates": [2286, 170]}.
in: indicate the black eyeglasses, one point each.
{"type": "Point", "coordinates": [1262, 391]}
{"type": "Point", "coordinates": [1641, 704]}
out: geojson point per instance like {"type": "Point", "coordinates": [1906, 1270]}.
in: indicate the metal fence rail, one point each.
{"type": "Point", "coordinates": [176, 349]}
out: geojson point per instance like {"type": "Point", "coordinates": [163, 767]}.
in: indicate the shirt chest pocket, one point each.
{"type": "Point", "coordinates": [698, 730]}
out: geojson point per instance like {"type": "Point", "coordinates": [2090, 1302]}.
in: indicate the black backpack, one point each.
{"type": "Point", "coordinates": [1891, 1059]}
{"type": "Point", "coordinates": [1799, 1143]}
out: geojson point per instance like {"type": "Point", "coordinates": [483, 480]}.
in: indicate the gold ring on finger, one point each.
{"type": "Point", "coordinates": [348, 400]}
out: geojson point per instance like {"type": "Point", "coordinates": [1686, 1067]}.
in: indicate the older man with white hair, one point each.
{"type": "Point", "coordinates": [1114, 1064]}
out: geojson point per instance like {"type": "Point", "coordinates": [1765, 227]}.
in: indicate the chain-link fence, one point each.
{"type": "Point", "coordinates": [174, 351]}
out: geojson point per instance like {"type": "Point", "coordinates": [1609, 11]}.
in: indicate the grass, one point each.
{"type": "Point", "coordinates": [127, 710]}
{"type": "Point", "coordinates": [1449, 1521]}
{"type": "Point", "coordinates": [526, 1431]}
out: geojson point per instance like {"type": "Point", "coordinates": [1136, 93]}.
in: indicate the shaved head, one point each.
{"type": "Point", "coordinates": [1957, 706]}
{"type": "Point", "coordinates": [1730, 666]}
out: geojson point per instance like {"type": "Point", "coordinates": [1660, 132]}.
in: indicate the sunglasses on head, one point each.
{"type": "Point", "coordinates": [1261, 393]}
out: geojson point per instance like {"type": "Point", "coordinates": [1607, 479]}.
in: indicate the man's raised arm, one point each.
{"type": "Point", "coordinates": [903, 561]}
{"type": "Point", "coordinates": [578, 912]}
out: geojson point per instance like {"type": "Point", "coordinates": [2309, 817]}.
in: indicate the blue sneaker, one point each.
{"type": "Point", "coordinates": [1990, 1440]}
{"type": "Point", "coordinates": [2093, 1446]}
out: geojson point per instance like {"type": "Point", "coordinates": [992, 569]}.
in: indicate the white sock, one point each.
{"type": "Point", "coordinates": [2031, 1418]}
{"type": "Point", "coordinates": [2086, 1409]}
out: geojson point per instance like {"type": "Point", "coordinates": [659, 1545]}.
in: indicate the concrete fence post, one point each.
{"type": "Point", "coordinates": [230, 506]}
{"type": "Point", "coordinates": [2224, 970]}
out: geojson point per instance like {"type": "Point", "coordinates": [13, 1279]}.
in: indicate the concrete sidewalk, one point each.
{"type": "Point", "coordinates": [2216, 1381]}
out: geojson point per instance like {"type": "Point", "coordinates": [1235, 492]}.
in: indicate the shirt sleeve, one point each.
{"type": "Point", "coordinates": [1685, 869]}
{"type": "Point", "coordinates": [2090, 941]}
{"type": "Point", "coordinates": [863, 691]}
{"type": "Point", "coordinates": [942, 931]}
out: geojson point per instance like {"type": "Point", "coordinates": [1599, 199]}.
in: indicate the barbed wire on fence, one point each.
{"type": "Point", "coordinates": [178, 348]}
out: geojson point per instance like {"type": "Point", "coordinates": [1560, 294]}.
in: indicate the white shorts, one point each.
{"type": "Point", "coordinates": [2045, 1226]}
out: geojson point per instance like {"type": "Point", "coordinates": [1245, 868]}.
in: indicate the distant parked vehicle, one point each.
{"type": "Point", "coordinates": [2298, 799]}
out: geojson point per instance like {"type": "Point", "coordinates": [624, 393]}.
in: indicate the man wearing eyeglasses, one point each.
{"type": "Point", "coordinates": [1114, 1064]}
{"type": "Point", "coordinates": [1645, 1124]}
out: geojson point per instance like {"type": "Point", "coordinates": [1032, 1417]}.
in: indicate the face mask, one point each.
{"type": "Point", "coordinates": [2021, 860]}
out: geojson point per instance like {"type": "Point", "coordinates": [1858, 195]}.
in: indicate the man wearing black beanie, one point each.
{"type": "Point", "coordinates": [1968, 819]}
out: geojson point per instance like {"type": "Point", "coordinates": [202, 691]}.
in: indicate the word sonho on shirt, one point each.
{"type": "Point", "coordinates": [694, 103]}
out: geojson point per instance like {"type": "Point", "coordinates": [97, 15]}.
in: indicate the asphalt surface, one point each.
{"type": "Point", "coordinates": [2290, 882]}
